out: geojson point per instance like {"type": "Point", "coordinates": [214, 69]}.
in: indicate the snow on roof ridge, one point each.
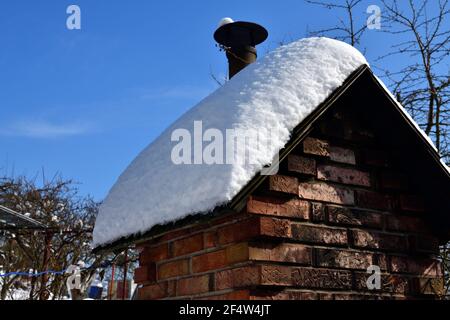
{"type": "Point", "coordinates": [277, 93]}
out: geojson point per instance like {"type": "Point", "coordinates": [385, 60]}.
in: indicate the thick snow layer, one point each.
{"type": "Point", "coordinates": [275, 93]}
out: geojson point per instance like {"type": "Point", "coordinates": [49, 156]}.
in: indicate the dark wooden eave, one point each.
{"type": "Point", "coordinates": [396, 128]}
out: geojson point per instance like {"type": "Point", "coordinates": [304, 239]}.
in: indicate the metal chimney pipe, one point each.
{"type": "Point", "coordinates": [239, 40]}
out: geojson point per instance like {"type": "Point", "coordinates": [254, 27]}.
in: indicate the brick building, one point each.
{"type": "Point", "coordinates": [358, 185]}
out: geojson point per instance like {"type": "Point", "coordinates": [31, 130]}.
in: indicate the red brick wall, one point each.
{"type": "Point", "coordinates": [338, 205]}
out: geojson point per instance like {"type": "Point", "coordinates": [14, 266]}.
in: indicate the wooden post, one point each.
{"type": "Point", "coordinates": [111, 285]}
{"type": "Point", "coordinates": [43, 295]}
{"type": "Point", "coordinates": [125, 271]}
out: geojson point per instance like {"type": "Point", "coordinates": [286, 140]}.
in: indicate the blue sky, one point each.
{"type": "Point", "coordinates": [84, 103]}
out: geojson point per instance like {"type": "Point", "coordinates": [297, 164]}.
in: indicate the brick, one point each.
{"type": "Point", "coordinates": [318, 212]}
{"type": "Point", "coordinates": [283, 184]}
{"type": "Point", "coordinates": [284, 252]}
{"type": "Point", "coordinates": [153, 254]}
{"type": "Point", "coordinates": [405, 223]}
{"type": "Point", "coordinates": [237, 278]}
{"type": "Point", "coordinates": [393, 181]}
{"type": "Point", "coordinates": [187, 245]}
{"type": "Point", "coordinates": [153, 292]}
{"type": "Point", "coordinates": [237, 253]}
{"type": "Point", "coordinates": [343, 175]}
{"type": "Point", "coordinates": [301, 165]}
{"type": "Point", "coordinates": [210, 239]}
{"type": "Point", "coordinates": [284, 295]}
{"type": "Point", "coordinates": [145, 274]}
{"type": "Point", "coordinates": [294, 208]}
{"type": "Point", "coordinates": [418, 266]}
{"type": "Point", "coordinates": [221, 258]}
{"type": "Point", "coordinates": [209, 261]}
{"type": "Point", "coordinates": [316, 147]}
{"type": "Point", "coordinates": [321, 278]}
{"type": "Point", "coordinates": [389, 283]}
{"type": "Point", "coordinates": [173, 269]}
{"type": "Point", "coordinates": [320, 191]}
{"type": "Point", "coordinates": [239, 231]}
{"type": "Point", "coordinates": [276, 228]}
{"type": "Point", "coordinates": [342, 155]}
{"type": "Point", "coordinates": [334, 258]}
{"type": "Point", "coordinates": [429, 286]}
{"type": "Point", "coordinates": [376, 158]}
{"type": "Point", "coordinates": [192, 286]}
{"type": "Point", "coordinates": [373, 200]}
{"type": "Point", "coordinates": [346, 216]}
{"type": "Point", "coordinates": [272, 275]}
{"type": "Point", "coordinates": [424, 243]}
{"type": "Point", "coordinates": [412, 203]}
{"type": "Point", "coordinates": [322, 235]}
{"type": "Point", "coordinates": [231, 296]}
{"type": "Point", "coordinates": [376, 240]}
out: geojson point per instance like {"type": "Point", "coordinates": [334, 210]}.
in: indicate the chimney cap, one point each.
{"type": "Point", "coordinates": [240, 33]}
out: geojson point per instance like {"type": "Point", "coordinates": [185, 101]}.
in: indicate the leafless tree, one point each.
{"type": "Point", "coordinates": [423, 85]}
{"type": "Point", "coordinates": [70, 219]}
{"type": "Point", "coordinates": [347, 28]}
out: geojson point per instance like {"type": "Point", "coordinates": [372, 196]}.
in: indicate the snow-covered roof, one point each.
{"type": "Point", "coordinates": [276, 93]}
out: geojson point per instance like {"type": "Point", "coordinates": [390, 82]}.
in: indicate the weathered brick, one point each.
{"type": "Point", "coordinates": [343, 175]}
{"type": "Point", "coordinates": [318, 212]}
{"type": "Point", "coordinates": [418, 266]}
{"type": "Point", "coordinates": [210, 239]}
{"type": "Point", "coordinates": [284, 252]}
{"type": "Point", "coordinates": [237, 278]}
{"type": "Point", "coordinates": [342, 155]}
{"type": "Point", "coordinates": [209, 261]}
{"type": "Point", "coordinates": [239, 231]}
{"type": "Point", "coordinates": [272, 275]}
{"type": "Point", "coordinates": [405, 223]}
{"type": "Point", "coordinates": [334, 258]}
{"type": "Point", "coordinates": [153, 292]}
{"type": "Point", "coordinates": [233, 296]}
{"type": "Point", "coordinates": [284, 295]}
{"type": "Point", "coordinates": [424, 243]}
{"type": "Point", "coordinates": [301, 165]}
{"type": "Point", "coordinates": [187, 245]}
{"type": "Point", "coordinates": [153, 254]}
{"type": "Point", "coordinates": [173, 269]}
{"type": "Point", "coordinates": [192, 286]}
{"type": "Point", "coordinates": [342, 215]}
{"type": "Point", "coordinates": [294, 208]}
{"type": "Point", "coordinates": [275, 227]}
{"type": "Point", "coordinates": [376, 240]}
{"type": "Point", "coordinates": [283, 184]}
{"type": "Point", "coordinates": [373, 200]}
{"type": "Point", "coordinates": [221, 258]}
{"type": "Point", "coordinates": [412, 203]}
{"type": "Point", "coordinates": [145, 274]}
{"type": "Point", "coordinates": [316, 146]}
{"type": "Point", "coordinates": [321, 278]}
{"type": "Point", "coordinates": [376, 158]}
{"type": "Point", "coordinates": [393, 181]}
{"type": "Point", "coordinates": [316, 234]}
{"type": "Point", "coordinates": [389, 283]}
{"type": "Point", "coordinates": [429, 286]}
{"type": "Point", "coordinates": [321, 191]}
